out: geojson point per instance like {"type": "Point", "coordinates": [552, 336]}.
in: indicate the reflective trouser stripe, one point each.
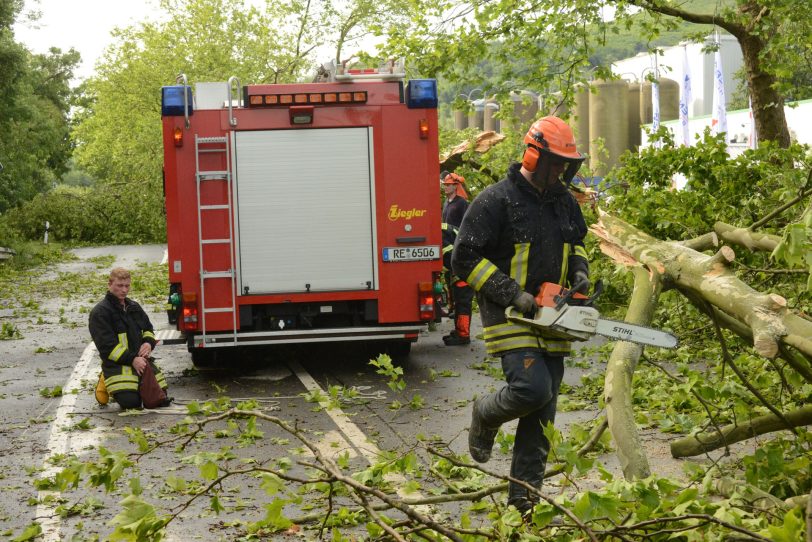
{"type": "Point", "coordinates": [481, 273]}
{"type": "Point", "coordinates": [120, 348]}
{"type": "Point", "coordinates": [503, 337]}
{"type": "Point", "coordinates": [126, 381]}
{"type": "Point", "coordinates": [565, 263]}
{"type": "Point", "coordinates": [518, 264]}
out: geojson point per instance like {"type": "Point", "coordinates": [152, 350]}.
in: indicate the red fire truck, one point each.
{"type": "Point", "coordinates": [302, 212]}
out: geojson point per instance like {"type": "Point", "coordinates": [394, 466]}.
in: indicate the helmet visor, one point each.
{"type": "Point", "coordinates": [555, 167]}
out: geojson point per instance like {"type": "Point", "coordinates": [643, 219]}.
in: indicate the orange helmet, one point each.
{"type": "Point", "coordinates": [459, 180]}
{"type": "Point", "coordinates": [551, 137]}
{"type": "Point", "coordinates": [453, 178]}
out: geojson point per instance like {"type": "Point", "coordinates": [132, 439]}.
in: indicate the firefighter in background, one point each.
{"type": "Point", "coordinates": [125, 339]}
{"type": "Point", "coordinates": [461, 295]}
{"type": "Point", "coordinates": [518, 233]}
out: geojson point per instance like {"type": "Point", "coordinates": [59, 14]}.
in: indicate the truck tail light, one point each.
{"type": "Point", "coordinates": [425, 296]}
{"type": "Point", "coordinates": [189, 312]}
{"type": "Point", "coordinates": [178, 137]}
{"type": "Point", "coordinates": [424, 129]}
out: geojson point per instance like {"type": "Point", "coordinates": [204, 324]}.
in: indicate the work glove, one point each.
{"type": "Point", "coordinates": [580, 280]}
{"type": "Point", "coordinates": [524, 302]}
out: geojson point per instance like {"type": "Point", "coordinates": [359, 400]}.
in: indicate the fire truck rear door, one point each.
{"type": "Point", "coordinates": [305, 208]}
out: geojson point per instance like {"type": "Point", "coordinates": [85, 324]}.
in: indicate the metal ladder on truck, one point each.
{"type": "Point", "coordinates": [205, 145]}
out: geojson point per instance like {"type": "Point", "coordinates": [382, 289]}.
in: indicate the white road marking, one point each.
{"type": "Point", "coordinates": [59, 442]}
{"type": "Point", "coordinates": [62, 442]}
{"type": "Point", "coordinates": [352, 434]}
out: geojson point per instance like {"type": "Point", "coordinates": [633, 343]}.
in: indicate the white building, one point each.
{"type": "Point", "coordinates": [700, 65]}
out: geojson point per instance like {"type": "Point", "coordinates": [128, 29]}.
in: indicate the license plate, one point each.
{"type": "Point", "coordinates": [410, 254]}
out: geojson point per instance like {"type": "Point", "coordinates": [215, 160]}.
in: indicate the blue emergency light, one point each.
{"type": "Point", "coordinates": [172, 100]}
{"type": "Point", "coordinates": [421, 93]}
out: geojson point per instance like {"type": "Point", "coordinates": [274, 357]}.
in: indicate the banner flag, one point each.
{"type": "Point", "coordinates": [752, 141]}
{"type": "Point", "coordinates": [719, 118]}
{"type": "Point", "coordinates": [685, 99]}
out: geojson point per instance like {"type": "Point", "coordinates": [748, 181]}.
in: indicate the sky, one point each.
{"type": "Point", "coordinates": [84, 25]}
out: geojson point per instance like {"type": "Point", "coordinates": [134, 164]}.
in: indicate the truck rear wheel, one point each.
{"type": "Point", "coordinates": [399, 351]}
{"type": "Point", "coordinates": [203, 358]}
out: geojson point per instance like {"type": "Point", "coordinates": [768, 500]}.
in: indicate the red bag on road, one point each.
{"type": "Point", "coordinates": [152, 394]}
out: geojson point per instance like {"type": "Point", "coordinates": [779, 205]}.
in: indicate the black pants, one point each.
{"type": "Point", "coordinates": [531, 395]}
{"type": "Point", "coordinates": [127, 399]}
{"type": "Point", "coordinates": [462, 297]}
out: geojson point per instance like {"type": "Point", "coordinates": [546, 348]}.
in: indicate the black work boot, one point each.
{"type": "Point", "coordinates": [480, 439]}
{"type": "Point", "coordinates": [455, 339]}
{"type": "Point", "coordinates": [524, 501]}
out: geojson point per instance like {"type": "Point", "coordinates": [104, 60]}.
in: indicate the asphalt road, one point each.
{"type": "Point", "coordinates": [39, 429]}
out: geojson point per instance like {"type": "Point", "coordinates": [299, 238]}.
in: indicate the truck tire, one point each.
{"type": "Point", "coordinates": [203, 358]}
{"type": "Point", "coordinates": [399, 351]}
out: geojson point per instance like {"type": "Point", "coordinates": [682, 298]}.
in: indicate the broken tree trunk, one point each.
{"type": "Point", "coordinates": [711, 279]}
{"type": "Point", "coordinates": [619, 373]}
{"type": "Point", "coordinates": [481, 143]}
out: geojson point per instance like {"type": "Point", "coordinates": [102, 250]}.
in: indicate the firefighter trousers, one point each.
{"type": "Point", "coordinates": [531, 394]}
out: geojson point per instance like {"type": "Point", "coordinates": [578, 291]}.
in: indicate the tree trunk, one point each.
{"type": "Point", "coordinates": [768, 105]}
{"type": "Point", "coordinates": [711, 440]}
{"type": "Point", "coordinates": [711, 279]}
{"type": "Point", "coordinates": [619, 373]}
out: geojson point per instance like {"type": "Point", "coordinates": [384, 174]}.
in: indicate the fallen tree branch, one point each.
{"type": "Point", "coordinates": [746, 237]}
{"type": "Point", "coordinates": [619, 373]}
{"type": "Point", "coordinates": [744, 380]}
{"type": "Point", "coordinates": [767, 315]}
{"type": "Point", "coordinates": [706, 442]}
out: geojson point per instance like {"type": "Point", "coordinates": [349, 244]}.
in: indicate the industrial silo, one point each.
{"type": "Point", "coordinates": [608, 120]}
{"type": "Point", "coordinates": [491, 123]}
{"type": "Point", "coordinates": [476, 117]}
{"type": "Point", "coordinates": [580, 124]}
{"type": "Point", "coordinates": [460, 120]}
{"type": "Point", "coordinates": [525, 111]}
{"type": "Point", "coordinates": [669, 101]}
{"type": "Point", "coordinates": [634, 114]}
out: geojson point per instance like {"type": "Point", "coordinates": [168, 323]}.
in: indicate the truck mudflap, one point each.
{"type": "Point", "coordinates": [372, 333]}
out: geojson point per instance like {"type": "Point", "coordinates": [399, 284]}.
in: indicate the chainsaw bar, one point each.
{"type": "Point", "coordinates": [624, 331]}
{"type": "Point", "coordinates": [580, 323]}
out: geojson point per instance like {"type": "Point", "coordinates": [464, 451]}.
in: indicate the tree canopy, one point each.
{"type": "Point", "coordinates": [547, 46]}
{"type": "Point", "coordinates": [35, 98]}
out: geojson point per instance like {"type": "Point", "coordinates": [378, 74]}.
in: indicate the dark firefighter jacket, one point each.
{"type": "Point", "coordinates": [118, 333]}
{"type": "Point", "coordinates": [454, 210]}
{"type": "Point", "coordinates": [514, 238]}
{"type": "Point", "coordinates": [449, 236]}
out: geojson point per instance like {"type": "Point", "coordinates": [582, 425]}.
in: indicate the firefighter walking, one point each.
{"type": "Point", "coordinates": [460, 293]}
{"type": "Point", "coordinates": [518, 233]}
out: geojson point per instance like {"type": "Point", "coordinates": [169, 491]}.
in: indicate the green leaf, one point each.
{"type": "Point", "coordinates": [30, 533]}
{"type": "Point", "coordinates": [208, 471]}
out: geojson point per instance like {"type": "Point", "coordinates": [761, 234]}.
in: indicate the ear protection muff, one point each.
{"type": "Point", "coordinates": [530, 160]}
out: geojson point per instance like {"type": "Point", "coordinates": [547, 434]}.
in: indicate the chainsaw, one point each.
{"type": "Point", "coordinates": [567, 314]}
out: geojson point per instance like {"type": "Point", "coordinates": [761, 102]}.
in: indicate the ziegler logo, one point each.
{"type": "Point", "coordinates": [396, 213]}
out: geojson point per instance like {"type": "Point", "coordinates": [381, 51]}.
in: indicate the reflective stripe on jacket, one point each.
{"type": "Point", "coordinates": [513, 238]}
